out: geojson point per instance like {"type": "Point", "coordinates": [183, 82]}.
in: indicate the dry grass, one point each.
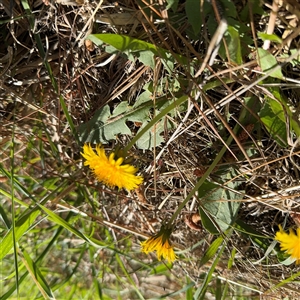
{"type": "Point", "coordinates": [40, 114]}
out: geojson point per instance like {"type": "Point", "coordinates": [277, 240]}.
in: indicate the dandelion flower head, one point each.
{"type": "Point", "coordinates": [289, 242]}
{"type": "Point", "coordinates": [109, 170]}
{"type": "Point", "coordinates": [161, 244]}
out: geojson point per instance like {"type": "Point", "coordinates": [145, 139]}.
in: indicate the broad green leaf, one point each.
{"type": "Point", "coordinates": [105, 126]}
{"type": "Point", "coordinates": [255, 9]}
{"type": "Point", "coordinates": [271, 37]}
{"type": "Point", "coordinates": [267, 62]}
{"type": "Point", "coordinates": [228, 8]}
{"type": "Point", "coordinates": [193, 12]}
{"type": "Point", "coordinates": [284, 110]}
{"type": "Point", "coordinates": [271, 115]}
{"type": "Point", "coordinates": [276, 113]}
{"type": "Point", "coordinates": [218, 205]}
{"type": "Point", "coordinates": [234, 45]}
{"type": "Point", "coordinates": [208, 221]}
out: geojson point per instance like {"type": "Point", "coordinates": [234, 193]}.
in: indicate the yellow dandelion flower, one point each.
{"type": "Point", "coordinates": [161, 244]}
{"type": "Point", "coordinates": [109, 170]}
{"type": "Point", "coordinates": [289, 242]}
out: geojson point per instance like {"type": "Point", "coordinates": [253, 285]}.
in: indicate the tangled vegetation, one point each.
{"type": "Point", "coordinates": [193, 109]}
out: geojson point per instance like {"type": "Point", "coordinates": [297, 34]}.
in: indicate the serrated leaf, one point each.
{"type": "Point", "coordinates": [152, 137]}
{"type": "Point", "coordinates": [105, 126]}
{"type": "Point", "coordinates": [132, 47]}
{"type": "Point", "coordinates": [267, 62]}
{"type": "Point", "coordinates": [143, 98]}
{"type": "Point", "coordinates": [102, 127]}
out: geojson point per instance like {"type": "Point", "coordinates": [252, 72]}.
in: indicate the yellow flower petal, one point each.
{"type": "Point", "coordinates": [161, 244]}
{"type": "Point", "coordinates": [110, 171]}
{"type": "Point", "coordinates": [289, 242]}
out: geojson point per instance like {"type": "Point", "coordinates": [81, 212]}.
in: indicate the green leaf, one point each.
{"type": "Point", "coordinates": [271, 115]}
{"type": "Point", "coordinates": [219, 208]}
{"type": "Point", "coordinates": [22, 225]}
{"type": "Point", "coordinates": [208, 221]}
{"type": "Point", "coordinates": [193, 12]}
{"type": "Point", "coordinates": [200, 292]}
{"type": "Point", "coordinates": [105, 126]}
{"type": "Point", "coordinates": [267, 62]}
{"type": "Point", "coordinates": [37, 276]}
{"type": "Point", "coordinates": [234, 45]}
{"type": "Point", "coordinates": [212, 250]}
{"type": "Point", "coordinates": [254, 235]}
{"type": "Point", "coordinates": [124, 269]}
{"type": "Point", "coordinates": [160, 269]}
{"type": "Point", "coordinates": [228, 8]}
{"type": "Point", "coordinates": [172, 4]}
{"type": "Point", "coordinates": [284, 110]}
{"type": "Point", "coordinates": [294, 62]}
{"type": "Point", "coordinates": [135, 48]}
{"type": "Point", "coordinates": [270, 37]}
{"type": "Point", "coordinates": [216, 83]}
{"type": "Point", "coordinates": [153, 137]}
{"type": "Point", "coordinates": [58, 220]}
{"type": "Point", "coordinates": [276, 113]}
{"type": "Point", "coordinates": [189, 291]}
